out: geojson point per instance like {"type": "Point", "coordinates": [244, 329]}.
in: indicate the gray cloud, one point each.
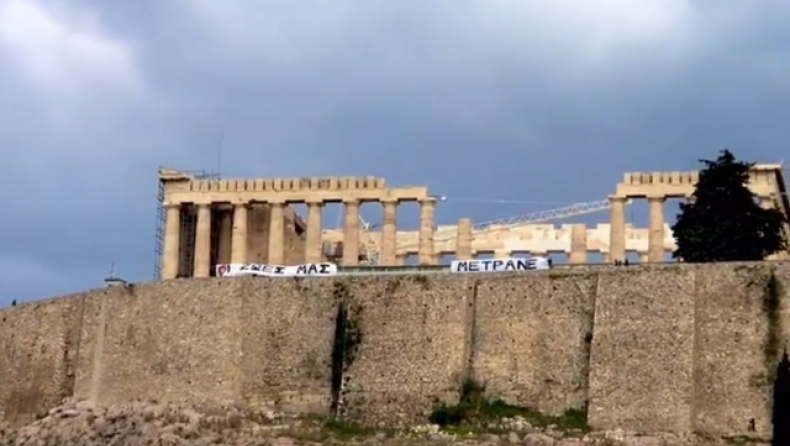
{"type": "Point", "coordinates": [507, 100]}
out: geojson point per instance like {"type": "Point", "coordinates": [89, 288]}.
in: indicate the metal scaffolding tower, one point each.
{"type": "Point", "coordinates": [159, 237]}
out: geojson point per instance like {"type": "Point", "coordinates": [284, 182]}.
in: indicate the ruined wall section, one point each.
{"type": "Point", "coordinates": [258, 235]}
{"type": "Point", "coordinates": [222, 228]}
{"type": "Point", "coordinates": [295, 241]}
{"type": "Point", "coordinates": [782, 333]}
{"type": "Point", "coordinates": [532, 338]}
{"type": "Point", "coordinates": [739, 341]}
{"type": "Point", "coordinates": [643, 349]}
{"type": "Point", "coordinates": [170, 341]}
{"type": "Point", "coordinates": [39, 346]}
{"type": "Point", "coordinates": [682, 348]}
{"type": "Point", "coordinates": [287, 335]}
{"type": "Point", "coordinates": [414, 348]}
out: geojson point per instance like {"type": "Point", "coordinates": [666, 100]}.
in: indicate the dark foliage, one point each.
{"type": "Point", "coordinates": [473, 409]}
{"type": "Point", "coordinates": [346, 340]}
{"type": "Point", "coordinates": [724, 222]}
{"type": "Point", "coordinates": [781, 412]}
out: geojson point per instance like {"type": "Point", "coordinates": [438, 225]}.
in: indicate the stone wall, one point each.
{"type": "Point", "coordinates": [177, 340]}
{"type": "Point", "coordinates": [38, 346]}
{"type": "Point", "coordinates": [677, 348]}
{"type": "Point", "coordinates": [644, 330]}
{"type": "Point", "coordinates": [287, 332]}
{"type": "Point", "coordinates": [258, 236]}
{"type": "Point", "coordinates": [415, 341]}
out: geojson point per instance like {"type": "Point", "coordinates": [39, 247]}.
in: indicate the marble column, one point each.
{"type": "Point", "coordinates": [463, 248]}
{"type": "Point", "coordinates": [314, 228]}
{"type": "Point", "coordinates": [203, 241]}
{"type": "Point", "coordinates": [172, 236]}
{"type": "Point", "coordinates": [617, 228]}
{"type": "Point", "coordinates": [389, 233]}
{"type": "Point", "coordinates": [427, 211]}
{"type": "Point", "coordinates": [351, 234]}
{"type": "Point", "coordinates": [578, 253]}
{"type": "Point", "coordinates": [655, 240]}
{"type": "Point", "coordinates": [276, 233]}
{"type": "Point", "coordinates": [238, 238]}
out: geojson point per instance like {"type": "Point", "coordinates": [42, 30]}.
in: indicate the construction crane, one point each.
{"type": "Point", "coordinates": [368, 247]}
{"type": "Point", "coordinates": [527, 219]}
{"type": "Point", "coordinates": [370, 250]}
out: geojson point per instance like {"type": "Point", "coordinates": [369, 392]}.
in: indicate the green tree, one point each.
{"type": "Point", "coordinates": [724, 222]}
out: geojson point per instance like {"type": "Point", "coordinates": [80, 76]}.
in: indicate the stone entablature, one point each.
{"type": "Point", "coordinates": [207, 197]}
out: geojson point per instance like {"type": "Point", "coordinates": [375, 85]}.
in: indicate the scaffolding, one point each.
{"type": "Point", "coordinates": [187, 224]}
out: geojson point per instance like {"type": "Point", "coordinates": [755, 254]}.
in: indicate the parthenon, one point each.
{"type": "Point", "coordinates": [214, 221]}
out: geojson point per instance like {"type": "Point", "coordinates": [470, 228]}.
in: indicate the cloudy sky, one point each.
{"type": "Point", "coordinates": [540, 103]}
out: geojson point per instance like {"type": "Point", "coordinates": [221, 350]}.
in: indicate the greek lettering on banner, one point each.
{"type": "Point", "coordinates": [499, 265]}
{"type": "Point", "coordinates": [255, 269]}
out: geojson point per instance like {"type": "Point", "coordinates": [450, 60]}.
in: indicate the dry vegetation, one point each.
{"type": "Point", "coordinates": [150, 423]}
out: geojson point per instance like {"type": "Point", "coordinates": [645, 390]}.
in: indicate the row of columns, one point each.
{"type": "Point", "coordinates": [313, 241]}
{"type": "Point", "coordinates": [655, 241]}
{"type": "Point", "coordinates": [655, 238]}
{"type": "Point", "coordinates": [578, 249]}
{"type": "Point", "coordinates": [388, 254]}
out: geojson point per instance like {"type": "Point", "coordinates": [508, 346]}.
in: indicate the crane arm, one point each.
{"type": "Point", "coordinates": [532, 218]}
{"type": "Point", "coordinates": [547, 215]}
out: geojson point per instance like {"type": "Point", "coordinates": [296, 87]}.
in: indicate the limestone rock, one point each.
{"type": "Point", "coordinates": [139, 423]}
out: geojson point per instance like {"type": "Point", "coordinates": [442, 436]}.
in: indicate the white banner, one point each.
{"type": "Point", "coordinates": [260, 269]}
{"type": "Point", "coordinates": [499, 265]}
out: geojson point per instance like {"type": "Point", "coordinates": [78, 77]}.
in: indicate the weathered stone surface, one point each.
{"type": "Point", "coordinates": [684, 349]}
{"type": "Point", "coordinates": [146, 423]}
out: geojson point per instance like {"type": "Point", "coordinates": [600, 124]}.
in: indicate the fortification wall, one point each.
{"type": "Point", "coordinates": [739, 339]}
{"type": "Point", "coordinates": [642, 349]}
{"type": "Point", "coordinates": [176, 340]}
{"type": "Point", "coordinates": [667, 348]}
{"type": "Point", "coordinates": [38, 348]}
{"type": "Point", "coordinates": [415, 345]}
{"type": "Point", "coordinates": [287, 332]}
{"type": "Point", "coordinates": [531, 344]}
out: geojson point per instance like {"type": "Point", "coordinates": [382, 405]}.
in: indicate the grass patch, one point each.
{"type": "Point", "coordinates": [559, 274]}
{"type": "Point", "coordinates": [466, 431]}
{"type": "Point", "coordinates": [474, 412]}
{"type": "Point", "coordinates": [324, 428]}
{"type": "Point", "coordinates": [347, 430]}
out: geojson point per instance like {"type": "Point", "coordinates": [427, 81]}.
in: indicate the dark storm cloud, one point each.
{"type": "Point", "coordinates": [474, 99]}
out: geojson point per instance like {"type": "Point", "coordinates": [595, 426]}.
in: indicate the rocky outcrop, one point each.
{"type": "Point", "coordinates": [151, 423]}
